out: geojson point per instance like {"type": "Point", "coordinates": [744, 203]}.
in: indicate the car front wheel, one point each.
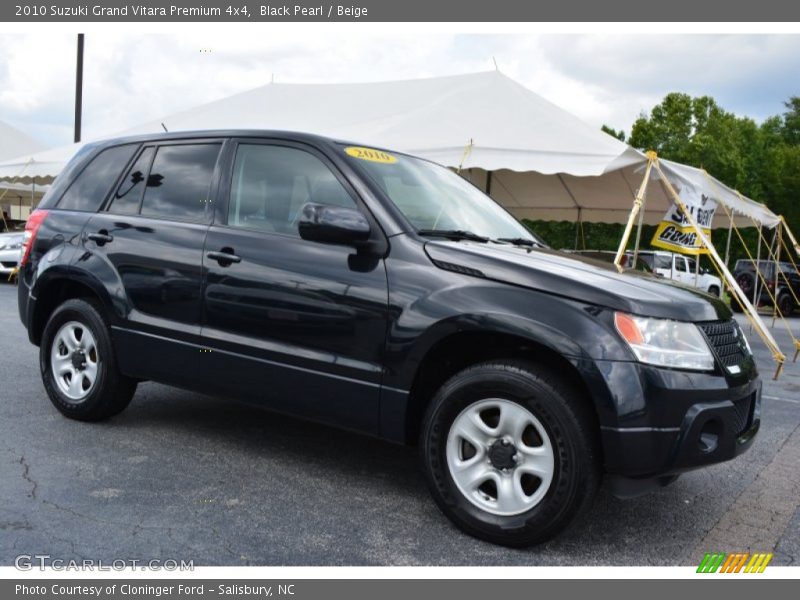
{"type": "Point", "coordinates": [78, 366]}
{"type": "Point", "coordinates": [510, 452]}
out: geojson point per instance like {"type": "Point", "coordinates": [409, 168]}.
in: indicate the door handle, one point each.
{"type": "Point", "coordinates": [101, 237]}
{"type": "Point", "coordinates": [225, 257]}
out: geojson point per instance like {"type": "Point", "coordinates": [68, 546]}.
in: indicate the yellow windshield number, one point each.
{"type": "Point", "coordinates": [370, 154]}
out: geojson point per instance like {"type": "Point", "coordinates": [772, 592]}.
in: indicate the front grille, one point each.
{"type": "Point", "coordinates": [8, 265]}
{"type": "Point", "coordinates": [725, 339]}
{"type": "Point", "coordinates": [743, 408]}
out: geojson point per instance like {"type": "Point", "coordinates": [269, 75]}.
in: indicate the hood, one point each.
{"type": "Point", "coordinates": [579, 278]}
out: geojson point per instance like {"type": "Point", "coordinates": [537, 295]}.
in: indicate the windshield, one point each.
{"type": "Point", "coordinates": [434, 198]}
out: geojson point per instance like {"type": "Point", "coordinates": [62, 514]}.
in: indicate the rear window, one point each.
{"type": "Point", "coordinates": [662, 262]}
{"type": "Point", "coordinates": [91, 187]}
{"type": "Point", "coordinates": [179, 182]}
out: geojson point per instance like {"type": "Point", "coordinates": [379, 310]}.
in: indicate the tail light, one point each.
{"type": "Point", "coordinates": [35, 221]}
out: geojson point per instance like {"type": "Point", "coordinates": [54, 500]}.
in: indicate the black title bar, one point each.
{"type": "Point", "coordinates": [402, 11]}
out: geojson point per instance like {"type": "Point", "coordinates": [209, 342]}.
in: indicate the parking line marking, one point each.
{"type": "Point", "coordinates": [781, 399]}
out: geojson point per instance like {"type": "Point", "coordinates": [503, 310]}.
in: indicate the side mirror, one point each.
{"type": "Point", "coordinates": [333, 225]}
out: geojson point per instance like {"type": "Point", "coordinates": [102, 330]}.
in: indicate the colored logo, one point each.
{"type": "Point", "coordinates": [738, 562]}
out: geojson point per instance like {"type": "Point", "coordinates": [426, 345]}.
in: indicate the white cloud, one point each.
{"type": "Point", "coordinates": [601, 78]}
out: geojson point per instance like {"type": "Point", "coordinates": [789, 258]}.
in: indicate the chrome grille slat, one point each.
{"type": "Point", "coordinates": [723, 338]}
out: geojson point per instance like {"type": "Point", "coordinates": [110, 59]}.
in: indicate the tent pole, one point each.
{"type": "Point", "coordinates": [696, 269]}
{"type": "Point", "coordinates": [750, 311]}
{"type": "Point", "coordinates": [637, 205]}
{"type": "Point", "coordinates": [776, 243]}
{"type": "Point", "coordinates": [728, 243]}
{"type": "Point", "coordinates": [639, 229]}
{"type": "Point", "coordinates": [577, 227]}
{"type": "Point", "coordinates": [488, 183]}
{"type": "Point", "coordinates": [790, 235]}
{"type": "Point", "coordinates": [756, 291]}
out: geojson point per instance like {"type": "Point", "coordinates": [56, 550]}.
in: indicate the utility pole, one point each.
{"type": "Point", "coordinates": [79, 89]}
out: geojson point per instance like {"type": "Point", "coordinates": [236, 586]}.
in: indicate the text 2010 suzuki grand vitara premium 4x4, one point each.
{"type": "Point", "coordinates": [382, 293]}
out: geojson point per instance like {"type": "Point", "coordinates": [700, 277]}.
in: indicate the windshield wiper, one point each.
{"type": "Point", "coordinates": [453, 234]}
{"type": "Point", "coordinates": [520, 242]}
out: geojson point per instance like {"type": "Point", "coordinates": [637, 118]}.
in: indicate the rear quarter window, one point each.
{"type": "Point", "coordinates": [90, 188]}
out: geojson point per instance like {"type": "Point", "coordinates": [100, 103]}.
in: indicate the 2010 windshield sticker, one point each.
{"type": "Point", "coordinates": [378, 156]}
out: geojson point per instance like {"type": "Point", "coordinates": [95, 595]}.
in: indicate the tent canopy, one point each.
{"type": "Point", "coordinates": [15, 143]}
{"type": "Point", "coordinates": [545, 162]}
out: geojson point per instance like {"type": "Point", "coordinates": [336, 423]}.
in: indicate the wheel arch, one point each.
{"type": "Point", "coordinates": [52, 291]}
{"type": "Point", "coordinates": [461, 349]}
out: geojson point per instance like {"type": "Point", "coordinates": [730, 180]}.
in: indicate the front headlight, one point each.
{"type": "Point", "coordinates": [665, 343]}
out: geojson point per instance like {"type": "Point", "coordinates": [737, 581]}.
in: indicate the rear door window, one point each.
{"type": "Point", "coordinates": [680, 264]}
{"type": "Point", "coordinates": [90, 188]}
{"type": "Point", "coordinates": [179, 184]}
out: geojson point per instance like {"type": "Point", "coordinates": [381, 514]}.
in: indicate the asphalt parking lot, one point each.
{"type": "Point", "coordinates": [179, 475]}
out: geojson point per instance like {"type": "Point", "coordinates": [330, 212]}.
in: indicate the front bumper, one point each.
{"type": "Point", "coordinates": [673, 421]}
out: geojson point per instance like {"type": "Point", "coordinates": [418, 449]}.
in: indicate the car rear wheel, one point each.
{"type": "Point", "coordinates": [746, 283]}
{"type": "Point", "coordinates": [510, 452]}
{"type": "Point", "coordinates": [785, 304]}
{"type": "Point", "coordinates": [714, 291]}
{"type": "Point", "coordinates": [78, 366]}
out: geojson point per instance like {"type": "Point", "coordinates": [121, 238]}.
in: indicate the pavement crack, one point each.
{"type": "Point", "coordinates": [26, 475]}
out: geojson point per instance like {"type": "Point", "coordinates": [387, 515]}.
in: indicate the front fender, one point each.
{"type": "Point", "coordinates": [573, 330]}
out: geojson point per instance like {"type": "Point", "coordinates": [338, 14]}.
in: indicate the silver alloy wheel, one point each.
{"type": "Point", "coordinates": [500, 456]}
{"type": "Point", "coordinates": [74, 360]}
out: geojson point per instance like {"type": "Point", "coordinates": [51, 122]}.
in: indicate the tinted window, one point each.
{"type": "Point", "coordinates": [179, 183]}
{"type": "Point", "coordinates": [129, 192]}
{"type": "Point", "coordinates": [272, 183]}
{"type": "Point", "coordinates": [680, 265]}
{"type": "Point", "coordinates": [662, 262]}
{"type": "Point", "coordinates": [692, 264]}
{"type": "Point", "coordinates": [90, 188]}
{"type": "Point", "coordinates": [646, 259]}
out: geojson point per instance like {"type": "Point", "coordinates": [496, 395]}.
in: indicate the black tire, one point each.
{"type": "Point", "coordinates": [572, 431]}
{"type": "Point", "coordinates": [747, 283]}
{"type": "Point", "coordinates": [714, 291]}
{"type": "Point", "coordinates": [785, 304]}
{"type": "Point", "coordinates": [735, 306]}
{"type": "Point", "coordinates": [111, 391]}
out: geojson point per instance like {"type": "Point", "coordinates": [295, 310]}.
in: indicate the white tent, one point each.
{"type": "Point", "coordinates": [544, 162]}
{"type": "Point", "coordinates": [15, 143]}
{"type": "Point", "coordinates": [16, 198]}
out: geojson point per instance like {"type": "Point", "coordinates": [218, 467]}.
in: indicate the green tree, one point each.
{"type": "Point", "coordinates": [791, 121]}
{"type": "Point", "coordinates": [762, 161]}
{"type": "Point", "coordinates": [620, 135]}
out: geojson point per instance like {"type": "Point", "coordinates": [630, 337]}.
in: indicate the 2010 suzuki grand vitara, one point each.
{"type": "Point", "coordinates": [379, 292]}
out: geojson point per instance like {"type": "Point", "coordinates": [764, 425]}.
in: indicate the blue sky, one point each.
{"type": "Point", "coordinates": [600, 78]}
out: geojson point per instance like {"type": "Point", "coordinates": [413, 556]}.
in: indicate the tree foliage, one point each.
{"type": "Point", "coordinates": [761, 161]}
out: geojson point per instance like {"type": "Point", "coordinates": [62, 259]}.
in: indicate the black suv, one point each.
{"type": "Point", "coordinates": [379, 292]}
{"type": "Point", "coordinates": [783, 295]}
